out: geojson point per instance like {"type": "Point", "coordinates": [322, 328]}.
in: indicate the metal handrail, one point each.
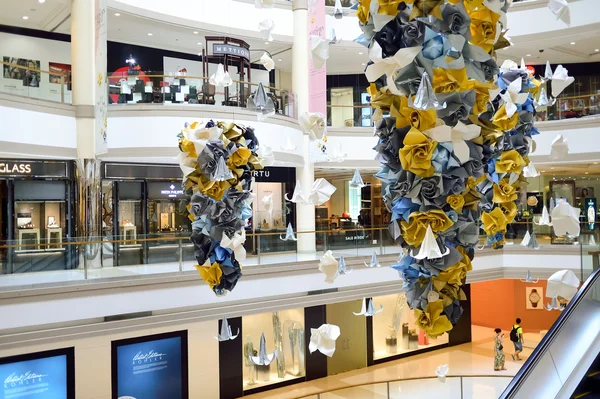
{"type": "Point", "coordinates": [550, 336]}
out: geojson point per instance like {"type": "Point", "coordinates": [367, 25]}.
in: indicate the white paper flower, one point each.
{"type": "Point", "coordinates": [563, 283]}
{"type": "Point", "coordinates": [329, 266]}
{"type": "Point", "coordinates": [313, 123]}
{"type": "Point", "coordinates": [267, 62]}
{"type": "Point", "coordinates": [221, 77]}
{"type": "Point", "coordinates": [323, 339]}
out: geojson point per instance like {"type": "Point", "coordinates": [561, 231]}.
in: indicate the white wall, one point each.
{"type": "Point", "coordinates": [93, 359]}
{"type": "Point", "coordinates": [43, 50]}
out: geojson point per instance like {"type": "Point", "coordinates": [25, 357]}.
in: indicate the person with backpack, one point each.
{"type": "Point", "coordinates": [516, 336]}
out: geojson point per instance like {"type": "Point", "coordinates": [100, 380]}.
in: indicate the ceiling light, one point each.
{"type": "Point", "coordinates": [266, 42]}
{"type": "Point", "coordinates": [597, 50]}
{"type": "Point", "coordinates": [41, 1]}
{"type": "Point", "coordinates": [360, 53]}
{"type": "Point", "coordinates": [363, 64]}
{"type": "Point", "coordinates": [117, 14]}
{"type": "Point", "coordinates": [25, 17]}
{"type": "Point", "coordinates": [552, 168]}
{"type": "Point", "coordinates": [527, 55]}
{"type": "Point", "coordinates": [200, 54]}
{"type": "Point", "coordinates": [149, 34]}
{"type": "Point", "coordinates": [572, 43]}
{"type": "Point", "coordinates": [279, 59]}
{"type": "Point", "coordinates": [195, 32]}
{"type": "Point", "coordinates": [543, 171]}
{"type": "Point", "coordinates": [199, 43]}
{"type": "Point", "coordinates": [595, 163]}
{"type": "Point", "coordinates": [587, 173]}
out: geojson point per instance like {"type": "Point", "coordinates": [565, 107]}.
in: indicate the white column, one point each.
{"type": "Point", "coordinates": [305, 214]}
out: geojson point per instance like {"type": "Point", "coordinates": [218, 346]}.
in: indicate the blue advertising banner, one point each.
{"type": "Point", "coordinates": [151, 368]}
{"type": "Point", "coordinates": [31, 377]}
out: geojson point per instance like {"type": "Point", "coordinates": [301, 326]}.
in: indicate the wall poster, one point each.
{"type": "Point", "coordinates": [30, 77]}
{"type": "Point", "coordinates": [534, 298]}
{"type": "Point", "coordinates": [49, 374]}
{"type": "Point", "coordinates": [151, 367]}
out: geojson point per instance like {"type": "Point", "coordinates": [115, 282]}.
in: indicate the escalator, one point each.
{"type": "Point", "coordinates": [566, 363]}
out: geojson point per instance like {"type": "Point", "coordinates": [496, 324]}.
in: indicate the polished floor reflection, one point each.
{"type": "Point", "coordinates": [473, 359]}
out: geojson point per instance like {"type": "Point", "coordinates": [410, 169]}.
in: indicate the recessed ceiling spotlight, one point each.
{"type": "Point", "coordinates": [597, 50]}
{"type": "Point", "coordinates": [279, 59]}
{"type": "Point", "coordinates": [587, 173]}
{"type": "Point", "coordinates": [200, 54]}
{"type": "Point", "coordinates": [543, 171]}
{"type": "Point", "coordinates": [25, 17]}
{"type": "Point", "coordinates": [199, 43]}
{"type": "Point", "coordinates": [149, 34]}
{"type": "Point", "coordinates": [195, 32]}
{"type": "Point", "coordinates": [41, 1]}
{"type": "Point", "coordinates": [595, 163]}
{"type": "Point", "coordinates": [552, 168]}
{"type": "Point", "coordinates": [363, 64]}
{"type": "Point", "coordinates": [117, 14]}
{"type": "Point", "coordinates": [527, 55]}
{"type": "Point", "coordinates": [572, 43]}
{"type": "Point", "coordinates": [360, 53]}
{"type": "Point", "coordinates": [266, 42]}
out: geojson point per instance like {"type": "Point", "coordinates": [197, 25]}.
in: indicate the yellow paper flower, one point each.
{"type": "Point", "coordinates": [470, 5]}
{"type": "Point", "coordinates": [451, 292]}
{"type": "Point", "coordinates": [188, 147]}
{"type": "Point", "coordinates": [483, 28]}
{"type": "Point", "coordinates": [509, 162]}
{"type": "Point", "coordinates": [456, 202]}
{"type": "Point", "coordinates": [504, 192]}
{"type": "Point", "coordinates": [502, 121]}
{"type": "Point", "coordinates": [482, 95]}
{"type": "Point", "coordinates": [494, 222]}
{"type": "Point", "coordinates": [389, 7]}
{"type": "Point", "coordinates": [419, 119]}
{"type": "Point", "coordinates": [212, 275]}
{"type": "Point", "coordinates": [417, 152]}
{"type": "Point", "coordinates": [455, 274]}
{"type": "Point", "coordinates": [240, 157]}
{"type": "Point", "coordinates": [363, 11]}
{"type": "Point", "coordinates": [381, 100]}
{"type": "Point", "coordinates": [214, 189]}
{"type": "Point", "coordinates": [414, 230]}
{"type": "Point", "coordinates": [423, 8]}
{"type": "Point", "coordinates": [510, 211]}
{"type": "Point", "coordinates": [432, 320]}
{"type": "Point", "coordinates": [449, 80]}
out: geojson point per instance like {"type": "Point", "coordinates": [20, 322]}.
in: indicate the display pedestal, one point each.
{"type": "Point", "coordinates": [26, 236]}
{"type": "Point", "coordinates": [129, 233]}
{"type": "Point", "coordinates": [391, 344]}
{"type": "Point", "coordinates": [413, 341]}
{"type": "Point", "coordinates": [54, 238]}
{"type": "Point", "coordinates": [405, 336]}
{"type": "Point", "coordinates": [263, 373]}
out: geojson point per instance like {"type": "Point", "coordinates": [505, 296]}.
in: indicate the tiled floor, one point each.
{"type": "Point", "coordinates": [473, 359]}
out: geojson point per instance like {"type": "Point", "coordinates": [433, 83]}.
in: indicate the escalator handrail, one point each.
{"type": "Point", "coordinates": [544, 344]}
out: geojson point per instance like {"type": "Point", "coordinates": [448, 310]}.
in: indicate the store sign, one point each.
{"type": "Point", "coordinates": [151, 369]}
{"type": "Point", "coordinates": [172, 191]}
{"type": "Point", "coordinates": [228, 49]}
{"type": "Point", "coordinates": [274, 175]}
{"type": "Point", "coordinates": [39, 377]}
{"type": "Point", "coordinates": [33, 169]}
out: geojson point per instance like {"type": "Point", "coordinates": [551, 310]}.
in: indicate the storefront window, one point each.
{"type": "Point", "coordinates": [39, 223]}
{"type": "Point", "coordinates": [395, 331]}
{"type": "Point", "coordinates": [284, 332]}
{"type": "Point", "coordinates": [270, 215]}
{"type": "Point", "coordinates": [130, 223]}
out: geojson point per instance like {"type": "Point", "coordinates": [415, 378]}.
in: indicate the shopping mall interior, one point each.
{"type": "Point", "coordinates": [317, 199]}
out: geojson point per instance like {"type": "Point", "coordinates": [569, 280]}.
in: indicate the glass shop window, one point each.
{"type": "Point", "coordinates": [130, 212]}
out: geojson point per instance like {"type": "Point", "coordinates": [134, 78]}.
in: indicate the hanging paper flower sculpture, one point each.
{"type": "Point", "coordinates": [217, 160]}
{"type": "Point", "coordinates": [455, 144]}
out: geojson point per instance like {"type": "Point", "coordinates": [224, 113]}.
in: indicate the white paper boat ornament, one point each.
{"type": "Point", "coordinates": [545, 218]}
{"type": "Point", "coordinates": [368, 310]}
{"type": "Point", "coordinates": [430, 248]}
{"type": "Point", "coordinates": [263, 359]}
{"type": "Point", "coordinates": [289, 234]}
{"type": "Point", "coordinates": [374, 261]}
{"type": "Point", "coordinates": [342, 267]}
{"type": "Point", "coordinates": [529, 278]}
{"type": "Point", "coordinates": [357, 180]}
{"type": "Point", "coordinates": [226, 334]}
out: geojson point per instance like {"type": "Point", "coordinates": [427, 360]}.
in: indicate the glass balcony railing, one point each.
{"type": "Point", "coordinates": [127, 87]}
{"type": "Point", "coordinates": [32, 260]}
{"type": "Point", "coordinates": [463, 386]}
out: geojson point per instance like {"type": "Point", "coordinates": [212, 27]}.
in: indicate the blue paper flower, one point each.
{"type": "Point", "coordinates": [409, 271]}
{"type": "Point", "coordinates": [402, 208]}
{"type": "Point", "coordinates": [442, 159]}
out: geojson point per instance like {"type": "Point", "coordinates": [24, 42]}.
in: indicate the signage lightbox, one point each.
{"type": "Point", "coordinates": [21, 168]}
{"type": "Point", "coordinates": [49, 374]}
{"type": "Point", "coordinates": [229, 49]}
{"type": "Point", "coordinates": [150, 367]}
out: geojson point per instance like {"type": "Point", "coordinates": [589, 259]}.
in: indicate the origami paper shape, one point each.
{"type": "Point", "coordinates": [321, 192]}
{"type": "Point", "coordinates": [560, 148]}
{"type": "Point", "coordinates": [530, 170]}
{"type": "Point", "coordinates": [542, 100]}
{"type": "Point", "coordinates": [513, 97]}
{"type": "Point", "coordinates": [332, 37]}
{"type": "Point", "coordinates": [319, 51]}
{"type": "Point", "coordinates": [298, 194]}
{"type": "Point", "coordinates": [429, 248]}
{"type": "Point", "coordinates": [560, 80]}
{"type": "Point", "coordinates": [265, 27]}
{"type": "Point", "coordinates": [548, 71]}
{"type": "Point", "coordinates": [525, 241]}
{"type": "Point", "coordinates": [560, 8]}
{"type": "Point", "coordinates": [263, 3]}
{"type": "Point", "coordinates": [222, 171]}
{"type": "Point", "coordinates": [529, 278]}
{"type": "Point", "coordinates": [314, 124]}
{"type": "Point", "coordinates": [289, 234]}
{"type": "Point", "coordinates": [565, 219]}
{"type": "Point", "coordinates": [357, 180]}
{"type": "Point", "coordinates": [261, 103]}
{"type": "Point", "coordinates": [329, 266]}
{"type": "Point", "coordinates": [235, 243]}
{"type": "Point", "coordinates": [368, 310]}
{"type": "Point", "coordinates": [425, 98]}
{"type": "Point", "coordinates": [288, 147]}
{"type": "Point", "coordinates": [267, 203]}
{"type": "Point", "coordinates": [265, 155]}
{"type": "Point", "coordinates": [221, 77]}
{"type": "Point", "coordinates": [323, 339]}
{"type": "Point", "coordinates": [338, 155]}
{"type": "Point", "coordinates": [387, 66]}
{"type": "Point", "coordinates": [458, 135]}
{"type": "Point", "coordinates": [226, 333]}
{"type": "Point", "coordinates": [342, 267]}
{"type": "Point", "coordinates": [563, 283]}
{"type": "Point", "coordinates": [374, 261]}
{"type": "Point", "coordinates": [263, 359]}
{"type": "Point", "coordinates": [545, 218]}
{"type": "Point", "coordinates": [442, 372]}
{"type": "Point", "coordinates": [554, 305]}
{"type": "Point", "coordinates": [267, 62]}
{"type": "Point", "coordinates": [338, 11]}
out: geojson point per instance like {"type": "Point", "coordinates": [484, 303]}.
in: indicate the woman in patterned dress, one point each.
{"type": "Point", "coordinates": [498, 351]}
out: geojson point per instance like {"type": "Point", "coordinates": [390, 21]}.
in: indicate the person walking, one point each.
{"type": "Point", "coordinates": [516, 336]}
{"type": "Point", "coordinates": [498, 350]}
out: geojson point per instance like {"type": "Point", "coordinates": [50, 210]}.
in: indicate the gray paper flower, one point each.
{"type": "Point", "coordinates": [458, 106]}
{"type": "Point", "coordinates": [455, 20]}
{"type": "Point", "coordinates": [435, 266]}
{"type": "Point", "coordinates": [427, 191]}
{"type": "Point", "coordinates": [408, 79]}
